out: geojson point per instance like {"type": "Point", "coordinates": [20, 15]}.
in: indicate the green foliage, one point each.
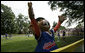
{"type": "Point", "coordinates": [12, 24]}
{"type": "Point", "coordinates": [80, 25]}
{"type": "Point", "coordinates": [7, 20]}
{"type": "Point", "coordinates": [22, 23]}
{"type": "Point", "coordinates": [74, 10]}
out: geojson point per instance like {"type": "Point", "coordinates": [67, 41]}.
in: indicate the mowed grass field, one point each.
{"type": "Point", "coordinates": [28, 44]}
{"type": "Point", "coordinates": [18, 44]}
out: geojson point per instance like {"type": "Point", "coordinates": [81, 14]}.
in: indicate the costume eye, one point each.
{"type": "Point", "coordinates": [45, 23]}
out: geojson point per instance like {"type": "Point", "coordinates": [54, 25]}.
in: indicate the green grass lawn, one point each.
{"type": "Point", "coordinates": [18, 44]}
{"type": "Point", "coordinates": [28, 44]}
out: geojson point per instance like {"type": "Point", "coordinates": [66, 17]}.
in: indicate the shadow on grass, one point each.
{"type": "Point", "coordinates": [67, 41]}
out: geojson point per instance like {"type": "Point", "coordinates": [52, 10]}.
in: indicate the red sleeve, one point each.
{"type": "Point", "coordinates": [57, 26]}
{"type": "Point", "coordinates": [36, 27]}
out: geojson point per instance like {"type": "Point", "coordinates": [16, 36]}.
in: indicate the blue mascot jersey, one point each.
{"type": "Point", "coordinates": [46, 42]}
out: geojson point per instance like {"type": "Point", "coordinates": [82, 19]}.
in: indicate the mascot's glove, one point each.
{"type": "Point", "coordinates": [61, 18]}
{"type": "Point", "coordinates": [29, 4]}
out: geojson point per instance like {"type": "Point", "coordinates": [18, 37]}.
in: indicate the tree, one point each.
{"type": "Point", "coordinates": [26, 24]}
{"type": "Point", "coordinates": [7, 20]}
{"type": "Point", "coordinates": [80, 25]}
{"type": "Point", "coordinates": [74, 10]}
{"type": "Point", "coordinates": [12, 24]}
{"type": "Point", "coordinates": [23, 23]}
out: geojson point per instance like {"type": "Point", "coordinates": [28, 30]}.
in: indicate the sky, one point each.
{"type": "Point", "coordinates": [40, 8]}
